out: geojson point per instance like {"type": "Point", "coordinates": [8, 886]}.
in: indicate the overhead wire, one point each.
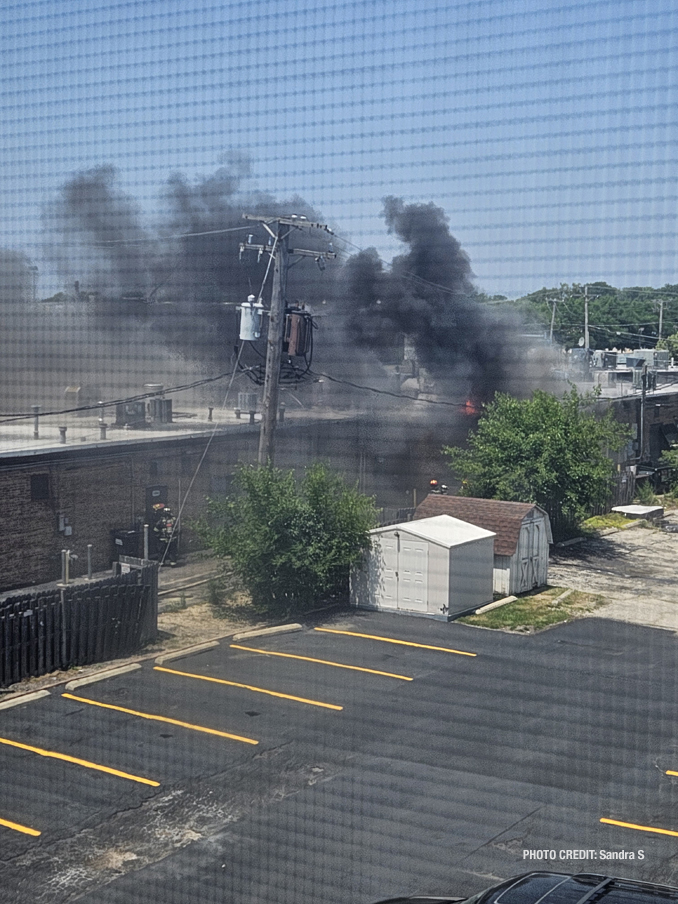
{"type": "Point", "coordinates": [100, 406]}
{"type": "Point", "coordinates": [164, 238]}
{"type": "Point", "coordinates": [386, 392]}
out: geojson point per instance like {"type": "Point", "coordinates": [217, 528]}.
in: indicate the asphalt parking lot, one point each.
{"type": "Point", "coordinates": [372, 757]}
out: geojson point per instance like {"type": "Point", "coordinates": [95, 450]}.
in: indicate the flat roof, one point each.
{"type": "Point", "coordinates": [83, 433]}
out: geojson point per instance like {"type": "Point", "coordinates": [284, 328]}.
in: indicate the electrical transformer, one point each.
{"type": "Point", "coordinates": [251, 316]}
{"type": "Point", "coordinates": [297, 333]}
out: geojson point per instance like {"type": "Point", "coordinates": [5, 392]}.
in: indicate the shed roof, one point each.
{"type": "Point", "coordinates": [444, 530]}
{"type": "Point", "coordinates": [503, 518]}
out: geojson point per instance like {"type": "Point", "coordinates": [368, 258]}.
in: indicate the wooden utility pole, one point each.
{"type": "Point", "coordinates": [643, 397]}
{"type": "Point", "coordinates": [660, 302]}
{"type": "Point", "coordinates": [279, 228]}
{"type": "Point", "coordinates": [586, 317]}
{"type": "Point", "coordinates": [554, 301]}
{"type": "Point", "coordinates": [274, 340]}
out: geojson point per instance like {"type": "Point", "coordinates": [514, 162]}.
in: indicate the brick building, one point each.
{"type": "Point", "coordinates": [69, 496]}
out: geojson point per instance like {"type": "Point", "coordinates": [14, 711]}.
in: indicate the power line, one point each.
{"type": "Point", "coordinates": [164, 238]}
{"type": "Point", "coordinates": [99, 406]}
{"type": "Point", "coordinates": [386, 392]}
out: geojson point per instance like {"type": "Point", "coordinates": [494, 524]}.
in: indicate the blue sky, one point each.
{"type": "Point", "coordinates": [547, 131]}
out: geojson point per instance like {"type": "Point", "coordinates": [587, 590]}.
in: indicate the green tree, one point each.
{"type": "Point", "coordinates": [622, 318]}
{"type": "Point", "coordinates": [550, 451]}
{"type": "Point", "coordinates": [670, 343]}
{"type": "Point", "coordinates": [291, 544]}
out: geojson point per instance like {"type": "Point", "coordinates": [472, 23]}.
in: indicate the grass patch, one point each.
{"type": "Point", "coordinates": [229, 602]}
{"type": "Point", "coordinates": [603, 522]}
{"type": "Point", "coordinates": [176, 605]}
{"type": "Point", "coordinates": [538, 610]}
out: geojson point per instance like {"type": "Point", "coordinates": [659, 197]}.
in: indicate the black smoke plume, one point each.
{"type": "Point", "coordinates": [179, 278]}
{"type": "Point", "coordinates": [427, 296]}
{"type": "Point", "coordinates": [178, 281]}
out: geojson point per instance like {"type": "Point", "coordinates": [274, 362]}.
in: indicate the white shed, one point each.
{"type": "Point", "coordinates": [523, 535]}
{"type": "Point", "coordinates": [437, 567]}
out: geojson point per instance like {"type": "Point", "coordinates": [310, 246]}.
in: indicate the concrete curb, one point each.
{"type": "Point", "coordinates": [571, 542]}
{"type": "Point", "coordinates": [179, 654]}
{"type": "Point", "coordinates": [496, 605]}
{"type": "Point", "coordinates": [18, 699]}
{"type": "Point", "coordinates": [102, 676]}
{"type": "Point", "coordinates": [563, 596]}
{"type": "Point", "coordinates": [264, 632]}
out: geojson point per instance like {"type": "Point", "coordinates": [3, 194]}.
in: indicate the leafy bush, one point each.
{"type": "Point", "coordinates": [290, 545]}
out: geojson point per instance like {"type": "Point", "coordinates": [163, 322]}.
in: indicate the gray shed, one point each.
{"type": "Point", "coordinates": [523, 535]}
{"type": "Point", "coordinates": [436, 567]}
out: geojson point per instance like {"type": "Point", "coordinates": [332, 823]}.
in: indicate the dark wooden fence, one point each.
{"type": "Point", "coordinates": [77, 625]}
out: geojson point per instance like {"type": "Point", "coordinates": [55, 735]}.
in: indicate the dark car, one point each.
{"type": "Point", "coordinates": [559, 888]}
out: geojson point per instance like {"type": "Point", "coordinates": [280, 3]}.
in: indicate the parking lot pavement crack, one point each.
{"type": "Point", "coordinates": [499, 834]}
{"type": "Point", "coordinates": [69, 867]}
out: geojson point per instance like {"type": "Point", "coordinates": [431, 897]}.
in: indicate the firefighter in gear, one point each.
{"type": "Point", "coordinates": [165, 533]}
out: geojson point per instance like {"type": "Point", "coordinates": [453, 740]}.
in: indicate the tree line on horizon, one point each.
{"type": "Point", "coordinates": [618, 318]}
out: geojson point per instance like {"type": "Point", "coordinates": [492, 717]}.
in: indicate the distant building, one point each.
{"type": "Point", "coordinates": [522, 536]}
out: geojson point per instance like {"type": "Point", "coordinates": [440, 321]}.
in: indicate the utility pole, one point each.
{"type": "Point", "coordinates": [274, 339]}
{"type": "Point", "coordinates": [643, 397]}
{"type": "Point", "coordinates": [660, 302]}
{"type": "Point", "coordinates": [279, 229]}
{"type": "Point", "coordinates": [554, 302]}
{"type": "Point", "coordinates": [586, 317]}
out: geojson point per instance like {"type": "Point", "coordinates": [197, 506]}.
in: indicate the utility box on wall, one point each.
{"type": "Point", "coordinates": [436, 567]}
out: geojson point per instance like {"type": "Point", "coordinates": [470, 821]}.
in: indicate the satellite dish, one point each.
{"type": "Point", "coordinates": [580, 342]}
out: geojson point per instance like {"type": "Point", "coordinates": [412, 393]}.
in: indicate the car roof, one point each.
{"type": "Point", "coordinates": [582, 888]}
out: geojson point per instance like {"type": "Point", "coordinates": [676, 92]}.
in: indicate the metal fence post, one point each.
{"type": "Point", "coordinates": [89, 561]}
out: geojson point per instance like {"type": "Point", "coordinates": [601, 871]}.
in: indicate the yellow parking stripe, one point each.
{"type": "Point", "coordinates": [670, 772]}
{"type": "Point", "coordinates": [632, 825]}
{"type": "Point", "coordinates": [154, 718]}
{"type": "Point", "coordinates": [405, 643]}
{"type": "Point", "coordinates": [86, 763]}
{"type": "Point", "coordinates": [19, 828]}
{"type": "Point", "coordinates": [337, 665]}
{"type": "Point", "coordinates": [249, 687]}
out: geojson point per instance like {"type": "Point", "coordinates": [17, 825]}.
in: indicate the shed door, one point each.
{"type": "Point", "coordinates": [412, 576]}
{"type": "Point", "coordinates": [387, 582]}
{"type": "Point", "coordinates": [530, 543]}
{"type": "Point", "coordinates": [536, 554]}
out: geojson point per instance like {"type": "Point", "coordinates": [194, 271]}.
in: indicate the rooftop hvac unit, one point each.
{"type": "Point", "coordinates": [160, 410]}
{"type": "Point", "coordinates": [248, 401]}
{"type": "Point", "coordinates": [130, 414]}
{"type": "Point", "coordinates": [78, 397]}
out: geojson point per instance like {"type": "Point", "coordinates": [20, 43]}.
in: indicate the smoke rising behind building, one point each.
{"type": "Point", "coordinates": [156, 300]}
{"type": "Point", "coordinates": [428, 296]}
